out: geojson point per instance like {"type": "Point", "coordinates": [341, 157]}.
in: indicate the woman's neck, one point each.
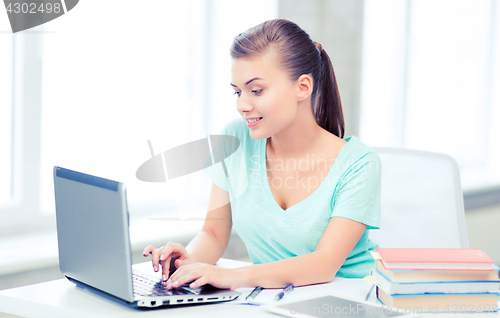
{"type": "Point", "coordinates": [302, 136]}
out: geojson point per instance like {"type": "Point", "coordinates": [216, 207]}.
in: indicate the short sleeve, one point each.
{"type": "Point", "coordinates": [216, 174]}
{"type": "Point", "coordinates": [358, 195]}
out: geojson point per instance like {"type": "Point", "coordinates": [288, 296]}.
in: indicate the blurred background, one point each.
{"type": "Point", "coordinates": [87, 90]}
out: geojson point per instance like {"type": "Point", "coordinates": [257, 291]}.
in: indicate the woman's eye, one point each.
{"type": "Point", "coordinates": [237, 93]}
{"type": "Point", "coordinates": [257, 92]}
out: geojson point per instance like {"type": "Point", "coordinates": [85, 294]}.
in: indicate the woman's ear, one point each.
{"type": "Point", "coordinates": [304, 86]}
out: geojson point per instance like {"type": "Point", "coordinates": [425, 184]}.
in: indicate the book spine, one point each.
{"type": "Point", "coordinates": [391, 287]}
{"type": "Point", "coordinates": [431, 303]}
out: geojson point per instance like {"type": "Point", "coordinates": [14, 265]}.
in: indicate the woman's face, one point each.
{"type": "Point", "coordinates": [264, 91]}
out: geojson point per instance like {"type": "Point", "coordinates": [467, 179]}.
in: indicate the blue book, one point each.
{"type": "Point", "coordinates": [421, 287]}
{"type": "Point", "coordinates": [441, 302]}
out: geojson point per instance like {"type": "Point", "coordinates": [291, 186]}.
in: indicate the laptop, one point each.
{"type": "Point", "coordinates": [94, 246]}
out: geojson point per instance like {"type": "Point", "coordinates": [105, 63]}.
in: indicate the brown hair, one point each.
{"type": "Point", "coordinates": [298, 55]}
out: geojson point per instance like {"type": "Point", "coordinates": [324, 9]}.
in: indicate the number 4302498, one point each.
{"type": "Point", "coordinates": [32, 8]}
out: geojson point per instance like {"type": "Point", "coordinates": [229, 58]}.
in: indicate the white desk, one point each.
{"type": "Point", "coordinates": [61, 298]}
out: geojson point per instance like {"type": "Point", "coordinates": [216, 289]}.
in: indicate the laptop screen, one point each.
{"type": "Point", "coordinates": [92, 231]}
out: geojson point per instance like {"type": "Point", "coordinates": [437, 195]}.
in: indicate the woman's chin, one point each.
{"type": "Point", "coordinates": [257, 135]}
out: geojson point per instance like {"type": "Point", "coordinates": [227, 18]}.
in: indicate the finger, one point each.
{"type": "Point", "coordinates": [186, 277]}
{"type": "Point", "coordinates": [168, 256]}
{"type": "Point", "coordinates": [177, 274]}
{"type": "Point", "coordinates": [148, 250]}
{"type": "Point", "coordinates": [183, 271]}
{"type": "Point", "coordinates": [186, 274]}
{"type": "Point", "coordinates": [173, 248]}
{"type": "Point", "coordinates": [199, 282]}
{"type": "Point", "coordinates": [155, 259]}
{"type": "Point", "coordinates": [178, 263]}
{"type": "Point", "coordinates": [166, 265]}
{"type": "Point", "coordinates": [173, 268]}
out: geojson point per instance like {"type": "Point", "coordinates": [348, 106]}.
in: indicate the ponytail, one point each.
{"type": "Point", "coordinates": [299, 55]}
{"type": "Point", "coordinates": [328, 105]}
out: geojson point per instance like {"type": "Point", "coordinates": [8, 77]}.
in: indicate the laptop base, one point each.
{"type": "Point", "coordinates": [210, 294]}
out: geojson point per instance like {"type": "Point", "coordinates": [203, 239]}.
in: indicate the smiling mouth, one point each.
{"type": "Point", "coordinates": [254, 120]}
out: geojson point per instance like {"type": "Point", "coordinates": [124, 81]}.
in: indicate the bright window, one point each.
{"type": "Point", "coordinates": [5, 112]}
{"type": "Point", "coordinates": [429, 82]}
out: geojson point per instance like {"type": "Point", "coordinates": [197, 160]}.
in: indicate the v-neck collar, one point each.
{"type": "Point", "coordinates": [312, 196]}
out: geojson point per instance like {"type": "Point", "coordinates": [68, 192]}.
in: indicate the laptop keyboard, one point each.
{"type": "Point", "coordinates": [147, 286]}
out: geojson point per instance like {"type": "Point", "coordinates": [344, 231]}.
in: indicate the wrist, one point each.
{"type": "Point", "coordinates": [246, 277]}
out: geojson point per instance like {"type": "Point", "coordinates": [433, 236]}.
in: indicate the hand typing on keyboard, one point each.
{"type": "Point", "coordinates": [173, 255]}
{"type": "Point", "coordinates": [201, 274]}
{"type": "Point", "coordinates": [145, 285]}
{"type": "Point", "coordinates": [170, 257]}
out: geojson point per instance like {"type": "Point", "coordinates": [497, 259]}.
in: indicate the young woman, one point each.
{"type": "Point", "coordinates": [311, 195]}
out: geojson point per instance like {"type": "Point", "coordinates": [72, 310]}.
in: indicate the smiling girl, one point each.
{"type": "Point", "coordinates": [303, 222]}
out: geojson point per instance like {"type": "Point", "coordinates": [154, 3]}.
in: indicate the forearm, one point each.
{"type": "Point", "coordinates": [312, 268]}
{"type": "Point", "coordinates": [205, 248]}
{"type": "Point", "coordinates": [319, 266]}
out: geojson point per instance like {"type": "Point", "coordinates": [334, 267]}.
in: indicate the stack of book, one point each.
{"type": "Point", "coordinates": [436, 280]}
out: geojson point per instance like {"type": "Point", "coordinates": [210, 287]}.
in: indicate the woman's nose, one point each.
{"type": "Point", "coordinates": [244, 105]}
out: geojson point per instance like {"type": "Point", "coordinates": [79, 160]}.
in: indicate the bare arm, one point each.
{"type": "Point", "coordinates": [320, 266]}
{"type": "Point", "coordinates": [209, 245]}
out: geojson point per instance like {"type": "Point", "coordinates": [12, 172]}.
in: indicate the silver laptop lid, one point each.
{"type": "Point", "coordinates": [92, 232]}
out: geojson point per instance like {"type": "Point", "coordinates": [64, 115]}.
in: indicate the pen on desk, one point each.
{"type": "Point", "coordinates": [369, 293]}
{"type": "Point", "coordinates": [285, 291]}
{"type": "Point", "coordinates": [254, 292]}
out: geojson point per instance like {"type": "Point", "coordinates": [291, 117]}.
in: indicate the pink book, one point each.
{"type": "Point", "coordinates": [435, 259]}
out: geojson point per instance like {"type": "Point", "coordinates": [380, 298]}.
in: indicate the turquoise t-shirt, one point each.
{"type": "Point", "coordinates": [351, 190]}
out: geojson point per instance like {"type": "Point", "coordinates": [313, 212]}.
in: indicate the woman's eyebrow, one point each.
{"type": "Point", "coordinates": [253, 79]}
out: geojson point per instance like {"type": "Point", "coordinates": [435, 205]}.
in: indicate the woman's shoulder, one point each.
{"type": "Point", "coordinates": [359, 152]}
